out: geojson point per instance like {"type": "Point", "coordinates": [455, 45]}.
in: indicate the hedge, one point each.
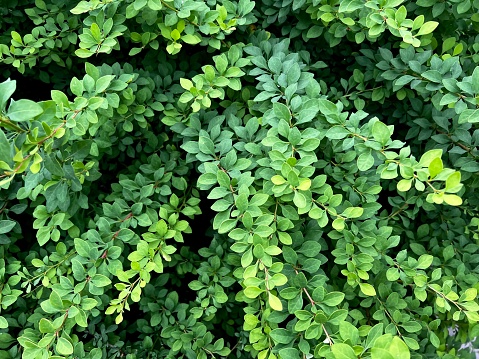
{"type": "Point", "coordinates": [269, 179]}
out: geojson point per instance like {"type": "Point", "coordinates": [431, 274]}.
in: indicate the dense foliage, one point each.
{"type": "Point", "coordinates": [236, 179]}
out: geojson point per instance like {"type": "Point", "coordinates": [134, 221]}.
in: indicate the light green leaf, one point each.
{"type": "Point", "coordinates": [350, 5]}
{"type": "Point", "coordinates": [99, 280]}
{"type": "Point", "coordinates": [288, 353]}
{"type": "Point", "coordinates": [7, 88]}
{"type": "Point", "coordinates": [95, 32]}
{"type": "Point", "coordinates": [282, 336]}
{"type": "Point", "coordinates": [343, 351]}
{"type": "Point", "coordinates": [435, 167]}
{"type": "Point", "coordinates": [367, 289]}
{"type": "Point", "coordinates": [191, 39]}
{"type": "Point", "coordinates": [252, 292]}
{"type": "Point", "coordinates": [23, 110]}
{"type": "Point", "coordinates": [46, 326]}
{"type": "Point", "coordinates": [453, 181]}
{"type": "Point", "coordinates": [470, 294]}
{"type": "Point", "coordinates": [381, 133]}
{"type": "Point", "coordinates": [373, 334]}
{"type": "Point", "coordinates": [452, 199]}
{"type": "Point", "coordinates": [427, 28]}
{"type": "Point", "coordinates": [392, 345]}
{"type": "Point", "coordinates": [378, 353]}
{"type": "Point", "coordinates": [399, 349]}
{"type": "Point", "coordinates": [6, 226]}
{"type": "Point", "coordinates": [186, 84]}
{"type": "Point", "coordinates": [282, 112]}
{"type": "Point", "coordinates": [392, 274]}
{"type": "Point", "coordinates": [334, 298]}
{"type": "Point", "coordinates": [429, 156]}
{"type": "Point", "coordinates": [206, 145]}
{"type": "Point", "coordinates": [404, 185]}
{"type": "Point", "coordinates": [304, 184]}
{"type": "Point", "coordinates": [471, 116]}
{"type": "Point", "coordinates": [6, 153]}
{"type": "Point", "coordinates": [425, 261]}
{"type": "Point", "coordinates": [64, 347]}
{"type": "Point", "coordinates": [3, 323]}
{"type": "Point", "coordinates": [353, 212]}
{"type": "Point", "coordinates": [299, 200]}
{"type": "Point", "coordinates": [338, 224]}
{"type": "Point", "coordinates": [84, 53]}
{"type": "Point", "coordinates": [274, 302]}
{"type": "Point", "coordinates": [365, 161]}
{"type": "Point", "coordinates": [56, 300]}
{"type": "Point", "coordinates": [81, 7]}
{"type": "Point", "coordinates": [278, 180]}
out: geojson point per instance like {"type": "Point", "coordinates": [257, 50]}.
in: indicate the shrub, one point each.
{"type": "Point", "coordinates": [270, 179]}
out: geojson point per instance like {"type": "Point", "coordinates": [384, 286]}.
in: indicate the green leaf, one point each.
{"type": "Point", "coordinates": [252, 292]}
{"type": "Point", "coordinates": [435, 167]}
{"type": "Point", "coordinates": [6, 226]}
{"type": "Point", "coordinates": [392, 274]}
{"type": "Point", "coordinates": [99, 280]}
{"type": "Point", "coordinates": [452, 199]}
{"type": "Point", "coordinates": [84, 53]}
{"type": "Point", "coordinates": [64, 347]}
{"type": "Point", "coordinates": [343, 351]}
{"type": "Point", "coordinates": [471, 116]}
{"type": "Point", "coordinates": [349, 332]}
{"type": "Point", "coordinates": [282, 112]}
{"type": "Point", "coordinates": [299, 200]}
{"type": "Point", "coordinates": [365, 161]}
{"type": "Point", "coordinates": [46, 326]}
{"type": "Point", "coordinates": [337, 133]}
{"type": "Point", "coordinates": [95, 32]}
{"type": "Point", "coordinates": [379, 353]}
{"type": "Point", "coordinates": [411, 326]}
{"type": "Point", "coordinates": [392, 345]}
{"type": "Point", "coordinates": [56, 300]}
{"type": "Point", "coordinates": [427, 28]}
{"type": "Point", "coordinates": [186, 84]}
{"type": "Point", "coordinates": [6, 153]}
{"type": "Point", "coordinates": [432, 75]}
{"type": "Point", "coordinates": [469, 294]}
{"type": "Point", "coordinates": [23, 110]}
{"type": "Point", "coordinates": [81, 7]}
{"type": "Point", "coordinates": [191, 39]}
{"type": "Point", "coordinates": [334, 298]}
{"type": "Point", "coordinates": [82, 247]}
{"type": "Point", "coordinates": [404, 185]}
{"type": "Point", "coordinates": [278, 180]}
{"type": "Point", "coordinates": [206, 145]}
{"type": "Point", "coordinates": [282, 336]}
{"type": "Point", "coordinates": [274, 302]}
{"type": "Point", "coordinates": [353, 212]}
{"type": "Point", "coordinates": [3, 323]}
{"type": "Point", "coordinates": [373, 334]}
{"type": "Point", "coordinates": [381, 133]}
{"type": "Point", "coordinates": [289, 353]}
{"type": "Point", "coordinates": [425, 261]}
{"type": "Point", "coordinates": [338, 224]}
{"type": "Point", "coordinates": [399, 349]}
{"type": "Point", "coordinates": [7, 88]}
{"type": "Point", "coordinates": [429, 156]}
{"type": "Point", "coordinates": [350, 6]}
{"type": "Point", "coordinates": [453, 181]}
{"type": "Point", "coordinates": [367, 289]}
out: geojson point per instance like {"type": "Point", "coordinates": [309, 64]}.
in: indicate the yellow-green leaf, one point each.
{"type": "Point", "coordinates": [274, 302]}
{"type": "Point", "coordinates": [452, 199]}
{"type": "Point", "coordinates": [367, 289]}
